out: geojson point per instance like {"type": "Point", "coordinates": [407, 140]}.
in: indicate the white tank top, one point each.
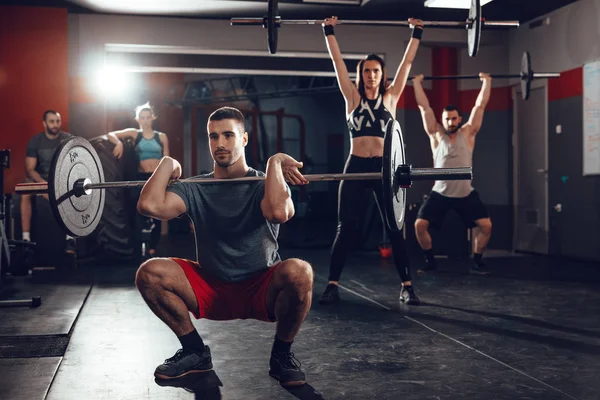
{"type": "Point", "coordinates": [448, 155]}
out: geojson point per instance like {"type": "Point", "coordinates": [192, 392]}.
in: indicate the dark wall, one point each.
{"type": "Point", "coordinates": [564, 43]}
{"type": "Point", "coordinates": [575, 230]}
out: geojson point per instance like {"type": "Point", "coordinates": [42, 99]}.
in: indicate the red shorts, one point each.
{"type": "Point", "coordinates": [221, 300]}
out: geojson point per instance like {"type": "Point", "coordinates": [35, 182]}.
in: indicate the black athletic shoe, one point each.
{"type": "Point", "coordinates": [408, 296]}
{"type": "Point", "coordinates": [428, 267]}
{"type": "Point", "coordinates": [479, 269]}
{"type": "Point", "coordinates": [184, 363]}
{"type": "Point", "coordinates": [286, 369]}
{"type": "Point", "coordinates": [331, 295]}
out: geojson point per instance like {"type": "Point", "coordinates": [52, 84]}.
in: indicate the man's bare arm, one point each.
{"type": "Point", "coordinates": [476, 117]}
{"type": "Point", "coordinates": [430, 124]}
{"type": "Point", "coordinates": [154, 199]}
{"type": "Point", "coordinates": [277, 205]}
{"type": "Point", "coordinates": [30, 164]}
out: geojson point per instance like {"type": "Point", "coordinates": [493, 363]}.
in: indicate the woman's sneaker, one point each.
{"type": "Point", "coordinates": [408, 296]}
{"type": "Point", "coordinates": [331, 295]}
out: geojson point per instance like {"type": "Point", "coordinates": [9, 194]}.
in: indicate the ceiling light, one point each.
{"type": "Point", "coordinates": [465, 4]}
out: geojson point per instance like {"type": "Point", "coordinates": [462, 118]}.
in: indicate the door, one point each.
{"type": "Point", "coordinates": [530, 146]}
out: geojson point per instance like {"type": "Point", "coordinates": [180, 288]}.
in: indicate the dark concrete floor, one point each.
{"type": "Point", "coordinates": [529, 331]}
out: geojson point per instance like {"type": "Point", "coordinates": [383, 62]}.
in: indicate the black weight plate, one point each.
{"type": "Point", "coordinates": [474, 30]}
{"type": "Point", "coordinates": [272, 25]}
{"type": "Point", "coordinates": [526, 76]}
{"type": "Point", "coordinates": [394, 197]}
{"type": "Point", "coordinates": [75, 159]}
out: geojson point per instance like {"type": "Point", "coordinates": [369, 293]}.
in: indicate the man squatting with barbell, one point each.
{"type": "Point", "coordinates": [452, 145]}
{"type": "Point", "coordinates": [239, 273]}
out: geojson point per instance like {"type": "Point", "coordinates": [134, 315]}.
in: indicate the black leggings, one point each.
{"type": "Point", "coordinates": [352, 202]}
{"type": "Point", "coordinates": [142, 221]}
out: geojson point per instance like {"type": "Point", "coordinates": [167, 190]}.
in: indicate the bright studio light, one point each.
{"type": "Point", "coordinates": [112, 81]}
{"type": "Point", "coordinates": [465, 4]}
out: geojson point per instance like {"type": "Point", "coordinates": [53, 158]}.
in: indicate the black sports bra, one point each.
{"type": "Point", "coordinates": [369, 119]}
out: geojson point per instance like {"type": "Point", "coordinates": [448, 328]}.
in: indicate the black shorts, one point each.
{"type": "Point", "coordinates": [469, 209]}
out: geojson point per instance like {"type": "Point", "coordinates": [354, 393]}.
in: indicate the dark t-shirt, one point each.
{"type": "Point", "coordinates": [42, 149]}
{"type": "Point", "coordinates": [233, 239]}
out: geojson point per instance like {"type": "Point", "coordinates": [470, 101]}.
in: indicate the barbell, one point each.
{"type": "Point", "coordinates": [76, 183]}
{"type": "Point", "coordinates": [527, 75]}
{"type": "Point", "coordinates": [473, 24]}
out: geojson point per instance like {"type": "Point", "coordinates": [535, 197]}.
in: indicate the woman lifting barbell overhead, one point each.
{"type": "Point", "coordinates": [370, 105]}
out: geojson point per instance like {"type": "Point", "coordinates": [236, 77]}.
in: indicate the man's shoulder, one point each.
{"type": "Point", "coordinates": [210, 175]}
{"type": "Point", "coordinates": [35, 139]}
{"type": "Point", "coordinates": [255, 172]}
{"type": "Point", "coordinates": [38, 136]}
{"type": "Point", "coordinates": [192, 179]}
{"type": "Point", "coordinates": [206, 175]}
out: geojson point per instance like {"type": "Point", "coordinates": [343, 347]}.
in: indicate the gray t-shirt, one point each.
{"type": "Point", "coordinates": [42, 149]}
{"type": "Point", "coordinates": [233, 239]}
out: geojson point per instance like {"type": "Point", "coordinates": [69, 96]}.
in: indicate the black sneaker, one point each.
{"type": "Point", "coordinates": [479, 269]}
{"type": "Point", "coordinates": [331, 295]}
{"type": "Point", "coordinates": [408, 296]}
{"type": "Point", "coordinates": [286, 369]}
{"type": "Point", "coordinates": [184, 363]}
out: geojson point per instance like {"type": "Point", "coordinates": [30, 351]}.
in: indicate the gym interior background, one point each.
{"type": "Point", "coordinates": [528, 161]}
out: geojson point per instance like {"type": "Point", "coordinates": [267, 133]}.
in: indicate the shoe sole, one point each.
{"type": "Point", "coordinates": [290, 383]}
{"type": "Point", "coordinates": [194, 371]}
{"type": "Point", "coordinates": [410, 302]}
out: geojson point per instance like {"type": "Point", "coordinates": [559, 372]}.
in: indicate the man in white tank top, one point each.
{"type": "Point", "coordinates": [452, 145]}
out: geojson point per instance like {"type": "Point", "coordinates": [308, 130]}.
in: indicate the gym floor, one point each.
{"type": "Point", "coordinates": [529, 331]}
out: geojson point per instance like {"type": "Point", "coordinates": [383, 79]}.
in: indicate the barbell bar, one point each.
{"type": "Point", "coordinates": [279, 22]}
{"type": "Point", "coordinates": [536, 75]}
{"type": "Point", "coordinates": [474, 23]}
{"type": "Point", "coordinates": [76, 183]}
{"type": "Point", "coordinates": [527, 75]}
{"type": "Point", "coordinates": [80, 187]}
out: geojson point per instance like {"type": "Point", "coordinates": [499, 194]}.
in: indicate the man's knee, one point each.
{"type": "Point", "coordinates": [296, 272]}
{"type": "Point", "coordinates": [421, 225]}
{"type": "Point", "coordinates": [485, 226]}
{"type": "Point", "coordinates": [155, 271]}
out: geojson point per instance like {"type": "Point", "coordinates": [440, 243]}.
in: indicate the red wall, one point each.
{"type": "Point", "coordinates": [34, 76]}
{"type": "Point", "coordinates": [570, 84]}
{"type": "Point", "coordinates": [500, 99]}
